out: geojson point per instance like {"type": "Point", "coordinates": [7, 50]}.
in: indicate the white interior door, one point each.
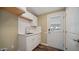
{"type": "Point", "coordinates": [72, 29]}
{"type": "Point", "coordinates": [55, 36]}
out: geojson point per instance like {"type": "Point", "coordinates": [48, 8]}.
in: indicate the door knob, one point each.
{"type": "Point", "coordinates": [76, 40]}
{"type": "Point", "coordinates": [49, 29]}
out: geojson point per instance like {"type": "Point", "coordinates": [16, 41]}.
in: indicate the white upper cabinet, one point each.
{"type": "Point", "coordinates": [34, 22]}
{"type": "Point", "coordinates": [29, 16]}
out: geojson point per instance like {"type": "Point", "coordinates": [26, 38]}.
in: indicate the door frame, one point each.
{"type": "Point", "coordinates": [64, 17]}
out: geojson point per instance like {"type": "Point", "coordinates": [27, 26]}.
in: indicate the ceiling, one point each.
{"type": "Point", "coordinates": [42, 10]}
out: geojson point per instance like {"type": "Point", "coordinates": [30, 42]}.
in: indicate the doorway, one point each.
{"type": "Point", "coordinates": [55, 32]}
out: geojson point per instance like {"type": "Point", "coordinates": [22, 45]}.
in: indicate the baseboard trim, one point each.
{"type": "Point", "coordinates": [44, 44]}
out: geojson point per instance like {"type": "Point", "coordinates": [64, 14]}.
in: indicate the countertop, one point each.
{"type": "Point", "coordinates": [30, 34]}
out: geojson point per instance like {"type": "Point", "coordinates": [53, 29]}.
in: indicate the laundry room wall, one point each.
{"type": "Point", "coordinates": [8, 30]}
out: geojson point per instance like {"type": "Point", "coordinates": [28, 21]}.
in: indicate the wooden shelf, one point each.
{"type": "Point", "coordinates": [12, 10]}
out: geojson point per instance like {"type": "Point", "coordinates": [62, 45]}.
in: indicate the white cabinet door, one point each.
{"type": "Point", "coordinates": [36, 40]}
{"type": "Point", "coordinates": [27, 15]}
{"type": "Point", "coordinates": [21, 26]}
{"type": "Point", "coordinates": [32, 42]}
{"type": "Point", "coordinates": [34, 22]}
{"type": "Point", "coordinates": [21, 42]}
{"type": "Point", "coordinates": [29, 43]}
